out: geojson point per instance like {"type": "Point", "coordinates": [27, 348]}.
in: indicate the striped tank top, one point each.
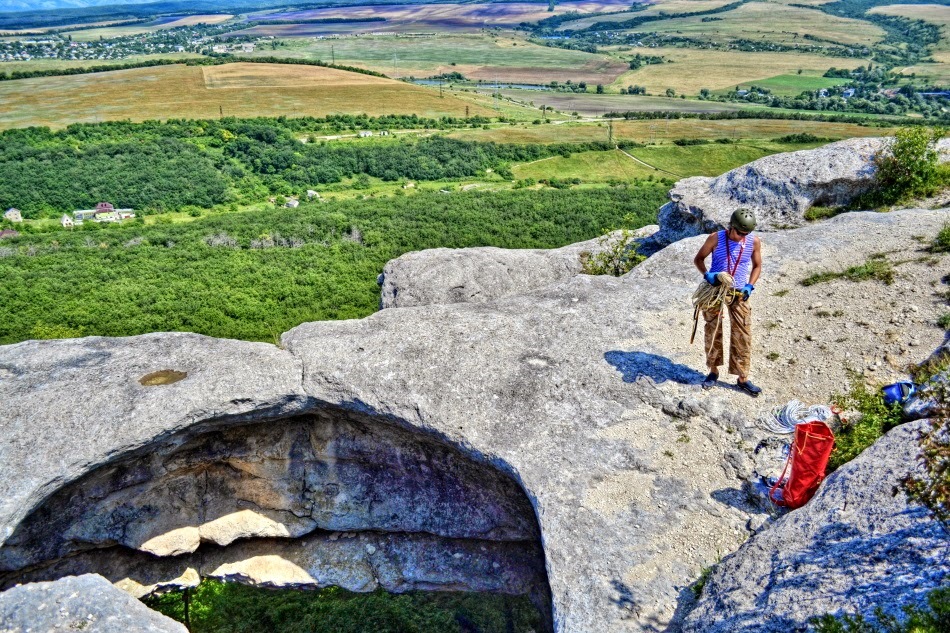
{"type": "Point", "coordinates": [731, 255]}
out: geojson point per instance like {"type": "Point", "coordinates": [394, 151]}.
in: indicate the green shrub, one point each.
{"type": "Point", "coordinates": [931, 484]}
{"type": "Point", "coordinates": [909, 166]}
{"type": "Point", "coordinates": [874, 420]}
{"type": "Point", "coordinates": [876, 268]}
{"type": "Point", "coordinates": [618, 257]}
{"type": "Point", "coordinates": [941, 243]}
{"type": "Point", "coordinates": [219, 607]}
{"type": "Point", "coordinates": [802, 137]}
{"type": "Point", "coordinates": [822, 213]}
{"type": "Point", "coordinates": [944, 321]}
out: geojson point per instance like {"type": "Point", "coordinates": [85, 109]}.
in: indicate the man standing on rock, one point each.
{"type": "Point", "coordinates": [736, 252]}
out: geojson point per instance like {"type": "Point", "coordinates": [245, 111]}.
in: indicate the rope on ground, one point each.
{"type": "Point", "coordinates": [783, 420]}
{"type": "Point", "coordinates": [709, 297]}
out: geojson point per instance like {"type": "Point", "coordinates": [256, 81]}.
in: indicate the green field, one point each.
{"type": "Point", "coordinates": [793, 85]}
{"type": "Point", "coordinates": [587, 166]}
{"type": "Point", "coordinates": [693, 69]}
{"type": "Point", "coordinates": [659, 130]}
{"type": "Point", "coordinates": [661, 161]}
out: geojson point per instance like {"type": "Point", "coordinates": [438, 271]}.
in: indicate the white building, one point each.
{"type": "Point", "coordinates": [292, 203]}
{"type": "Point", "coordinates": [13, 215]}
{"type": "Point", "coordinates": [67, 222]}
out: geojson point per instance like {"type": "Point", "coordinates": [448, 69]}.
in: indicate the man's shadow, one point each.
{"type": "Point", "coordinates": [633, 365]}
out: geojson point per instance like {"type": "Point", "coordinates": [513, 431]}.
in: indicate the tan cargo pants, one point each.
{"type": "Point", "coordinates": [740, 337]}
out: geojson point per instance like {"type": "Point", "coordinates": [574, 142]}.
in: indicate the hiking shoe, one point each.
{"type": "Point", "coordinates": [710, 381]}
{"type": "Point", "coordinates": [749, 388]}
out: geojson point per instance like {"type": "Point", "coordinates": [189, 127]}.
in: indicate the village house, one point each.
{"type": "Point", "coordinates": [104, 212]}
{"type": "Point", "coordinates": [219, 48]}
{"type": "Point", "coordinates": [292, 203]}
{"type": "Point", "coordinates": [67, 222]}
{"type": "Point", "coordinates": [364, 133]}
{"type": "Point", "coordinates": [311, 194]}
{"type": "Point", "coordinates": [247, 48]}
{"type": "Point", "coordinates": [13, 215]}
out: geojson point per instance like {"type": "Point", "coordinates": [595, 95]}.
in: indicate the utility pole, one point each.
{"type": "Point", "coordinates": [332, 54]}
{"type": "Point", "coordinates": [394, 66]}
{"type": "Point", "coordinates": [220, 110]}
{"type": "Point", "coordinates": [466, 112]}
{"type": "Point", "coordinates": [610, 131]}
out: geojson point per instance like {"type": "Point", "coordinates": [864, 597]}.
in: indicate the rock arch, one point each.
{"type": "Point", "coordinates": [329, 497]}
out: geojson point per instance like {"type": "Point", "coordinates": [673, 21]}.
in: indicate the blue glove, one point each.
{"type": "Point", "coordinates": [711, 278]}
{"type": "Point", "coordinates": [747, 291]}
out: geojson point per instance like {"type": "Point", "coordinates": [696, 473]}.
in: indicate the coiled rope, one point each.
{"type": "Point", "coordinates": [783, 420]}
{"type": "Point", "coordinates": [708, 297]}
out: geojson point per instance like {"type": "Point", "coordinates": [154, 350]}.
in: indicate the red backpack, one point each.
{"type": "Point", "coordinates": [808, 458]}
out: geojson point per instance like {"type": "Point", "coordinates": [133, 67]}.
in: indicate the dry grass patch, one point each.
{"type": "Point", "coordinates": [90, 35]}
{"type": "Point", "coordinates": [183, 92]}
{"type": "Point", "coordinates": [694, 69]}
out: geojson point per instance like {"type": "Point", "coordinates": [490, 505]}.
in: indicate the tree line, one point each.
{"type": "Point", "coordinates": [254, 275]}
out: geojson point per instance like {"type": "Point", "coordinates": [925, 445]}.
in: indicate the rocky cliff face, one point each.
{"type": "Point", "coordinates": [780, 188]}
{"type": "Point", "coordinates": [443, 445]}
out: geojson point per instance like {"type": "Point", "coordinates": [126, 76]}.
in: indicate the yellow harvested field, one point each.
{"type": "Point", "coordinates": [90, 35]}
{"type": "Point", "coordinates": [693, 69]}
{"type": "Point", "coordinates": [936, 13]}
{"type": "Point", "coordinates": [771, 22]}
{"type": "Point", "coordinates": [666, 130]}
{"type": "Point", "coordinates": [242, 90]}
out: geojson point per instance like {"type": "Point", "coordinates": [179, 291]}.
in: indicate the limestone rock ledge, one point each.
{"type": "Point", "coordinates": [480, 275]}
{"type": "Point", "coordinates": [779, 188]}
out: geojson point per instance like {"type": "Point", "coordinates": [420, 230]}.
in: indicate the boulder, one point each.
{"type": "Point", "coordinates": [479, 275]}
{"type": "Point", "coordinates": [79, 603]}
{"type": "Point", "coordinates": [857, 545]}
{"type": "Point", "coordinates": [779, 188]}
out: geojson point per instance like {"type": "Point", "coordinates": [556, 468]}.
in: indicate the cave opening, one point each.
{"type": "Point", "coordinates": [342, 504]}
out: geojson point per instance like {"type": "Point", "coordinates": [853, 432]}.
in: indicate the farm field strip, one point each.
{"type": "Point", "coordinates": [59, 64]}
{"type": "Point", "coordinates": [595, 105]}
{"type": "Point", "coordinates": [666, 130]}
{"type": "Point", "coordinates": [182, 92]}
{"type": "Point", "coordinates": [448, 16]}
{"type": "Point", "coordinates": [793, 85]}
{"type": "Point", "coordinates": [671, 7]}
{"type": "Point", "coordinates": [770, 22]}
{"type": "Point", "coordinates": [89, 35]}
{"type": "Point", "coordinates": [693, 69]}
{"type": "Point", "coordinates": [508, 59]}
